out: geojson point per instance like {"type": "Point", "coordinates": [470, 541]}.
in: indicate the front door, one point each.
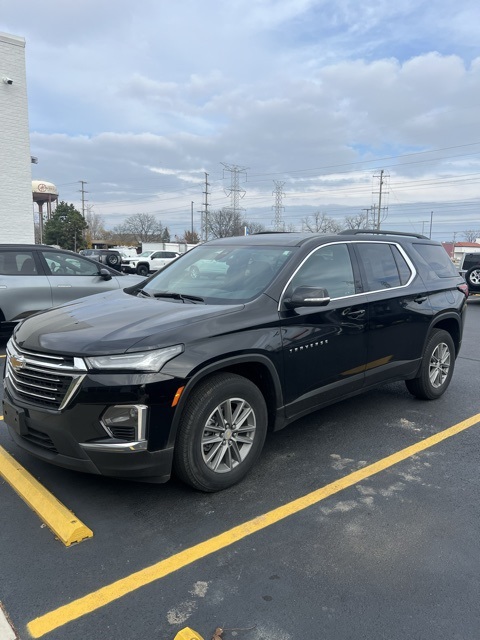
{"type": "Point", "coordinates": [324, 348]}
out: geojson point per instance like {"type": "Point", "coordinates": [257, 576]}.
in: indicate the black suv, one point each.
{"type": "Point", "coordinates": [189, 373]}
{"type": "Point", "coordinates": [112, 257]}
{"type": "Point", "coordinates": [470, 268]}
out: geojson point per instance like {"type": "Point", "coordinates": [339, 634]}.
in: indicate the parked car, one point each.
{"type": "Point", "coordinates": [470, 269]}
{"type": "Point", "coordinates": [110, 257]}
{"type": "Point", "coordinates": [148, 261]}
{"type": "Point", "coordinates": [37, 277]}
{"type": "Point", "coordinates": [190, 373]}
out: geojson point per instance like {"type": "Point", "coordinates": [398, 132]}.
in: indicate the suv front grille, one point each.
{"type": "Point", "coordinates": [44, 380]}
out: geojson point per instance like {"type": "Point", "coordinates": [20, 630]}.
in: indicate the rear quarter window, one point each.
{"type": "Point", "coordinates": [436, 260]}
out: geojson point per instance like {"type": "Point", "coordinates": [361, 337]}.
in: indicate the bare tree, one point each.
{"type": "Point", "coordinates": [471, 235]}
{"type": "Point", "coordinates": [144, 227]}
{"type": "Point", "coordinates": [355, 222]}
{"type": "Point", "coordinates": [189, 237]}
{"type": "Point", "coordinates": [320, 223]}
{"type": "Point", "coordinates": [225, 223]}
{"type": "Point", "coordinates": [254, 227]}
{"type": "Point", "coordinates": [119, 236]}
{"type": "Point", "coordinates": [96, 228]}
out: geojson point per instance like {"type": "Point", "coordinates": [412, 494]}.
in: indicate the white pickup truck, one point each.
{"type": "Point", "coordinates": [148, 261]}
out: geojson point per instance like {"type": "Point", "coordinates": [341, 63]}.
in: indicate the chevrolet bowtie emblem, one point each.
{"type": "Point", "coordinates": [17, 362]}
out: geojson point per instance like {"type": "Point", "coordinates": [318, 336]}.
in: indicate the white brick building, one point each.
{"type": "Point", "coordinates": [16, 208]}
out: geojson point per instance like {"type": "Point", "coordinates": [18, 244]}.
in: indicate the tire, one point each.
{"type": "Point", "coordinates": [209, 455]}
{"type": "Point", "coordinates": [472, 277]}
{"type": "Point", "coordinates": [142, 270]}
{"type": "Point", "coordinates": [436, 369]}
{"type": "Point", "coordinates": [112, 259]}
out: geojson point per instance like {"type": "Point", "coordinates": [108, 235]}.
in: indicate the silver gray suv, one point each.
{"type": "Point", "coordinates": [36, 277]}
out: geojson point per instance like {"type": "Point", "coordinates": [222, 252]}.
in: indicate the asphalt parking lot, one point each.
{"type": "Point", "coordinates": [360, 521]}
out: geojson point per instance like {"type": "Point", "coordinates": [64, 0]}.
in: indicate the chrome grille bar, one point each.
{"type": "Point", "coordinates": [45, 380]}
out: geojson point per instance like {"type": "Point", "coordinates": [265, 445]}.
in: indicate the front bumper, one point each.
{"type": "Point", "coordinates": [53, 437]}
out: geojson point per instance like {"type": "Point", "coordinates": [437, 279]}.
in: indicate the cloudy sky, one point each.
{"type": "Point", "coordinates": [310, 97]}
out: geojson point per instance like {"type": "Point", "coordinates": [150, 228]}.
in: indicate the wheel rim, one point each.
{"type": "Point", "coordinates": [439, 365]}
{"type": "Point", "coordinates": [228, 435]}
{"type": "Point", "coordinates": [475, 277]}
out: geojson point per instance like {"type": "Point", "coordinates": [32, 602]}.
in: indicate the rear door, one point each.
{"type": "Point", "coordinates": [399, 310]}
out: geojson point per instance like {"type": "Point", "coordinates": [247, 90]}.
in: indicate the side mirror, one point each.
{"type": "Point", "coordinates": [105, 274]}
{"type": "Point", "coordinates": [307, 297]}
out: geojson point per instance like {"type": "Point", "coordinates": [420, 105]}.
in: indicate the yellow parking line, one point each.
{"type": "Point", "coordinates": [103, 596]}
{"type": "Point", "coordinates": [51, 511]}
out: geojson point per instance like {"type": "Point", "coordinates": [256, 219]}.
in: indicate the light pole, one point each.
{"type": "Point", "coordinates": [431, 222]}
{"type": "Point", "coordinates": [191, 205]}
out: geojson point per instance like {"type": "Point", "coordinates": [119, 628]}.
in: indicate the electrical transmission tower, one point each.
{"type": "Point", "coordinates": [235, 192]}
{"type": "Point", "coordinates": [278, 223]}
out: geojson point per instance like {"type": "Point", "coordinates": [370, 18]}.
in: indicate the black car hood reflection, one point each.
{"type": "Point", "coordinates": [116, 322]}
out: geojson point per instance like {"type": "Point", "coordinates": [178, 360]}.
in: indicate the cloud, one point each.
{"type": "Point", "coordinates": [142, 101]}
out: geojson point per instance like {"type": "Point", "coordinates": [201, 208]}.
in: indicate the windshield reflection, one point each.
{"type": "Point", "coordinates": [220, 275]}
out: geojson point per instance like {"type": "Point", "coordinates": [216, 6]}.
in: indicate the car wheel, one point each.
{"type": "Point", "coordinates": [221, 432]}
{"type": "Point", "coordinates": [194, 272]}
{"type": "Point", "coordinates": [112, 259]}
{"type": "Point", "coordinates": [436, 369]}
{"type": "Point", "coordinates": [472, 277]}
{"type": "Point", "coordinates": [142, 270]}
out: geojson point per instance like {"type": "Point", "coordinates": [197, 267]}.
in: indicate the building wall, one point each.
{"type": "Point", "coordinates": [16, 208]}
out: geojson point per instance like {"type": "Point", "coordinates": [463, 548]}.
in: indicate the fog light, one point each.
{"type": "Point", "coordinates": [126, 422]}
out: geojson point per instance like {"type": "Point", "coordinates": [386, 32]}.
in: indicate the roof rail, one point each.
{"type": "Point", "coordinates": [356, 232]}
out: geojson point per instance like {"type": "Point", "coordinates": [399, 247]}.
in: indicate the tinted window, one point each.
{"type": "Point", "coordinates": [402, 266]}
{"type": "Point", "coordinates": [437, 260]}
{"type": "Point", "coordinates": [64, 264]}
{"type": "Point", "coordinates": [328, 268]}
{"type": "Point", "coordinates": [380, 266]}
{"type": "Point", "coordinates": [13, 263]}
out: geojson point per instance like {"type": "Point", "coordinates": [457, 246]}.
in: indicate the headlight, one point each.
{"type": "Point", "coordinates": [143, 361]}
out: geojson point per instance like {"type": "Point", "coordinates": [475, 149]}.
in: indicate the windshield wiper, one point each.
{"type": "Point", "coordinates": [184, 297]}
{"type": "Point", "coordinates": [143, 292]}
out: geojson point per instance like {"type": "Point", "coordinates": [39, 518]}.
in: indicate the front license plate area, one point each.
{"type": "Point", "coordinates": [15, 418]}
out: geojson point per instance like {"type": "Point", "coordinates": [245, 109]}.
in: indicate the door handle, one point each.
{"type": "Point", "coordinates": [356, 315]}
{"type": "Point", "coordinates": [420, 299]}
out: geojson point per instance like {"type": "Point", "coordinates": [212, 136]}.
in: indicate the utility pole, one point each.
{"type": "Point", "coordinates": [278, 223]}
{"type": "Point", "coordinates": [204, 213]}
{"type": "Point", "coordinates": [83, 192]}
{"type": "Point", "coordinates": [431, 222]}
{"type": "Point", "coordinates": [379, 212]}
{"type": "Point", "coordinates": [191, 216]}
{"type": "Point", "coordinates": [235, 192]}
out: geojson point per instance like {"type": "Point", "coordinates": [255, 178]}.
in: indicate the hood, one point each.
{"type": "Point", "coordinates": [116, 322]}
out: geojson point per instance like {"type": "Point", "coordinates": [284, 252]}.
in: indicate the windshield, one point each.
{"type": "Point", "coordinates": [220, 275]}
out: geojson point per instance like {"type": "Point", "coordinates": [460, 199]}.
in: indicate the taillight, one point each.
{"type": "Point", "coordinates": [463, 288]}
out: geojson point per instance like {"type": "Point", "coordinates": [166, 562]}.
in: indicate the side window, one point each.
{"type": "Point", "coordinates": [13, 263]}
{"type": "Point", "coordinates": [330, 268]}
{"type": "Point", "coordinates": [402, 266]}
{"type": "Point", "coordinates": [61, 264]}
{"type": "Point", "coordinates": [380, 266]}
{"type": "Point", "coordinates": [437, 260]}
